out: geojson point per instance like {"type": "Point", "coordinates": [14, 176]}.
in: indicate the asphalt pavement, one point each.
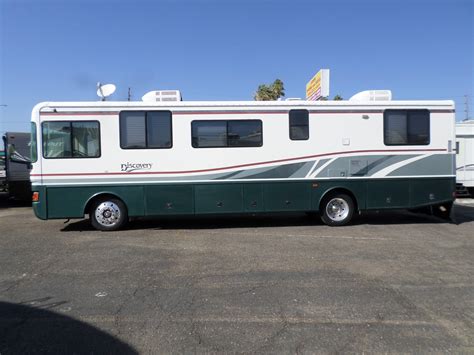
{"type": "Point", "coordinates": [392, 282]}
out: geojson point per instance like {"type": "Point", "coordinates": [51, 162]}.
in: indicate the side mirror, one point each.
{"type": "Point", "coordinates": [16, 157]}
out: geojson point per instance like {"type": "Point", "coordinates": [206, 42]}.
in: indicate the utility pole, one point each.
{"type": "Point", "coordinates": [466, 106]}
{"type": "Point", "coordinates": [129, 94]}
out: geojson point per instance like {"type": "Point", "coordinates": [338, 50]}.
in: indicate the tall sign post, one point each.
{"type": "Point", "coordinates": [318, 86]}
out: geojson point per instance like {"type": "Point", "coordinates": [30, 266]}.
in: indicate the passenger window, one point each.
{"type": "Point", "coordinates": [406, 127]}
{"type": "Point", "coordinates": [228, 133]}
{"type": "Point", "coordinates": [299, 124]}
{"type": "Point", "coordinates": [57, 140]}
{"type": "Point", "coordinates": [71, 139]}
{"type": "Point", "coordinates": [244, 133]}
{"type": "Point", "coordinates": [141, 130]}
{"type": "Point", "coordinates": [158, 129]}
{"type": "Point", "coordinates": [34, 143]}
{"type": "Point", "coordinates": [132, 130]}
{"type": "Point", "coordinates": [208, 134]}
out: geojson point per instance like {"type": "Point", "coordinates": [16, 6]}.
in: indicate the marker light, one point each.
{"type": "Point", "coordinates": [35, 197]}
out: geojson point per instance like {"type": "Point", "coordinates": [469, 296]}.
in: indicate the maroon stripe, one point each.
{"type": "Point", "coordinates": [77, 113]}
{"type": "Point", "coordinates": [242, 165]}
{"type": "Point", "coordinates": [246, 112]}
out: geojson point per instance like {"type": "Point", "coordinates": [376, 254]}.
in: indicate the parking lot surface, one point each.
{"type": "Point", "coordinates": [392, 282]}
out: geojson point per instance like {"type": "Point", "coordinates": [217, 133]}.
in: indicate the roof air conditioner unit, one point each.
{"type": "Point", "coordinates": [162, 96]}
{"type": "Point", "coordinates": [372, 95]}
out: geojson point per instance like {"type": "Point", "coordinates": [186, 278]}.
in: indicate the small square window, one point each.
{"type": "Point", "coordinates": [299, 124]}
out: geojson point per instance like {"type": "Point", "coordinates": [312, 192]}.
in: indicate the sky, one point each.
{"type": "Point", "coordinates": [223, 49]}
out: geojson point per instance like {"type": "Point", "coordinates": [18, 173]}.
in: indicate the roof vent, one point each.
{"type": "Point", "coordinates": [372, 95]}
{"type": "Point", "coordinates": [162, 96]}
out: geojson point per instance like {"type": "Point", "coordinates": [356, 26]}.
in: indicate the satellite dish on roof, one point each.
{"type": "Point", "coordinates": [105, 90]}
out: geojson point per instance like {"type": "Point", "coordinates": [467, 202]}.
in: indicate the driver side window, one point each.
{"type": "Point", "coordinates": [66, 139]}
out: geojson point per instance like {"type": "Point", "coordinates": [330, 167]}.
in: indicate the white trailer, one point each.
{"type": "Point", "coordinates": [115, 160]}
{"type": "Point", "coordinates": [465, 155]}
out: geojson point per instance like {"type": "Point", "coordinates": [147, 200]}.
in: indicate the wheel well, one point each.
{"type": "Point", "coordinates": [99, 197]}
{"type": "Point", "coordinates": [336, 191]}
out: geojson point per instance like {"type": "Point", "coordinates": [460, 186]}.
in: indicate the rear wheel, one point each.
{"type": "Point", "coordinates": [108, 214]}
{"type": "Point", "coordinates": [337, 210]}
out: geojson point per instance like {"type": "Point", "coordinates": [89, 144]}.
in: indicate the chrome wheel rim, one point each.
{"type": "Point", "coordinates": [337, 209]}
{"type": "Point", "coordinates": [107, 214]}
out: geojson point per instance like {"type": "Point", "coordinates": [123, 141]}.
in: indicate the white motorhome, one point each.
{"type": "Point", "coordinates": [115, 160]}
{"type": "Point", "coordinates": [465, 155]}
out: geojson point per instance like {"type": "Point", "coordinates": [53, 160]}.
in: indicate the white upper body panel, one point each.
{"type": "Point", "coordinates": [336, 128]}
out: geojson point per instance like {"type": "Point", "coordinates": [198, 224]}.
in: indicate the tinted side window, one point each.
{"type": "Point", "coordinates": [85, 139]}
{"type": "Point", "coordinates": [57, 140]}
{"type": "Point", "coordinates": [150, 129]}
{"type": "Point", "coordinates": [158, 129]}
{"type": "Point", "coordinates": [231, 133]}
{"type": "Point", "coordinates": [395, 128]}
{"type": "Point", "coordinates": [299, 124]}
{"type": "Point", "coordinates": [418, 127]}
{"type": "Point", "coordinates": [79, 139]}
{"type": "Point", "coordinates": [34, 143]}
{"type": "Point", "coordinates": [244, 133]}
{"type": "Point", "coordinates": [406, 127]}
{"type": "Point", "coordinates": [206, 134]}
{"type": "Point", "coordinates": [132, 129]}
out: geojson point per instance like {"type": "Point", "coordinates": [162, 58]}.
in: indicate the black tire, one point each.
{"type": "Point", "coordinates": [100, 210]}
{"type": "Point", "coordinates": [342, 207]}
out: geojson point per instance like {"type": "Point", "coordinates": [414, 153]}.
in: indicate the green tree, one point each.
{"type": "Point", "coordinates": [338, 98]}
{"type": "Point", "coordinates": [270, 92]}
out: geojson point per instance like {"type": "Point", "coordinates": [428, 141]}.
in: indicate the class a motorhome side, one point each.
{"type": "Point", "coordinates": [116, 160]}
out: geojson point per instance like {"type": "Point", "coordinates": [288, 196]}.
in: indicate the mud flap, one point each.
{"type": "Point", "coordinates": [444, 211]}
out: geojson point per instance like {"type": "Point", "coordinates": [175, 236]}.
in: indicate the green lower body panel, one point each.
{"type": "Point", "coordinates": [242, 197]}
{"type": "Point", "coordinates": [73, 201]}
{"type": "Point", "coordinates": [281, 196]}
{"type": "Point", "coordinates": [388, 194]}
{"type": "Point", "coordinates": [169, 200]}
{"type": "Point", "coordinates": [218, 198]}
{"type": "Point", "coordinates": [40, 207]}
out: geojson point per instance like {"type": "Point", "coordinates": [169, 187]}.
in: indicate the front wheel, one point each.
{"type": "Point", "coordinates": [337, 210]}
{"type": "Point", "coordinates": [108, 214]}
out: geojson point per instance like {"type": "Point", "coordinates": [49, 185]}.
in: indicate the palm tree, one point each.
{"type": "Point", "coordinates": [270, 92]}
